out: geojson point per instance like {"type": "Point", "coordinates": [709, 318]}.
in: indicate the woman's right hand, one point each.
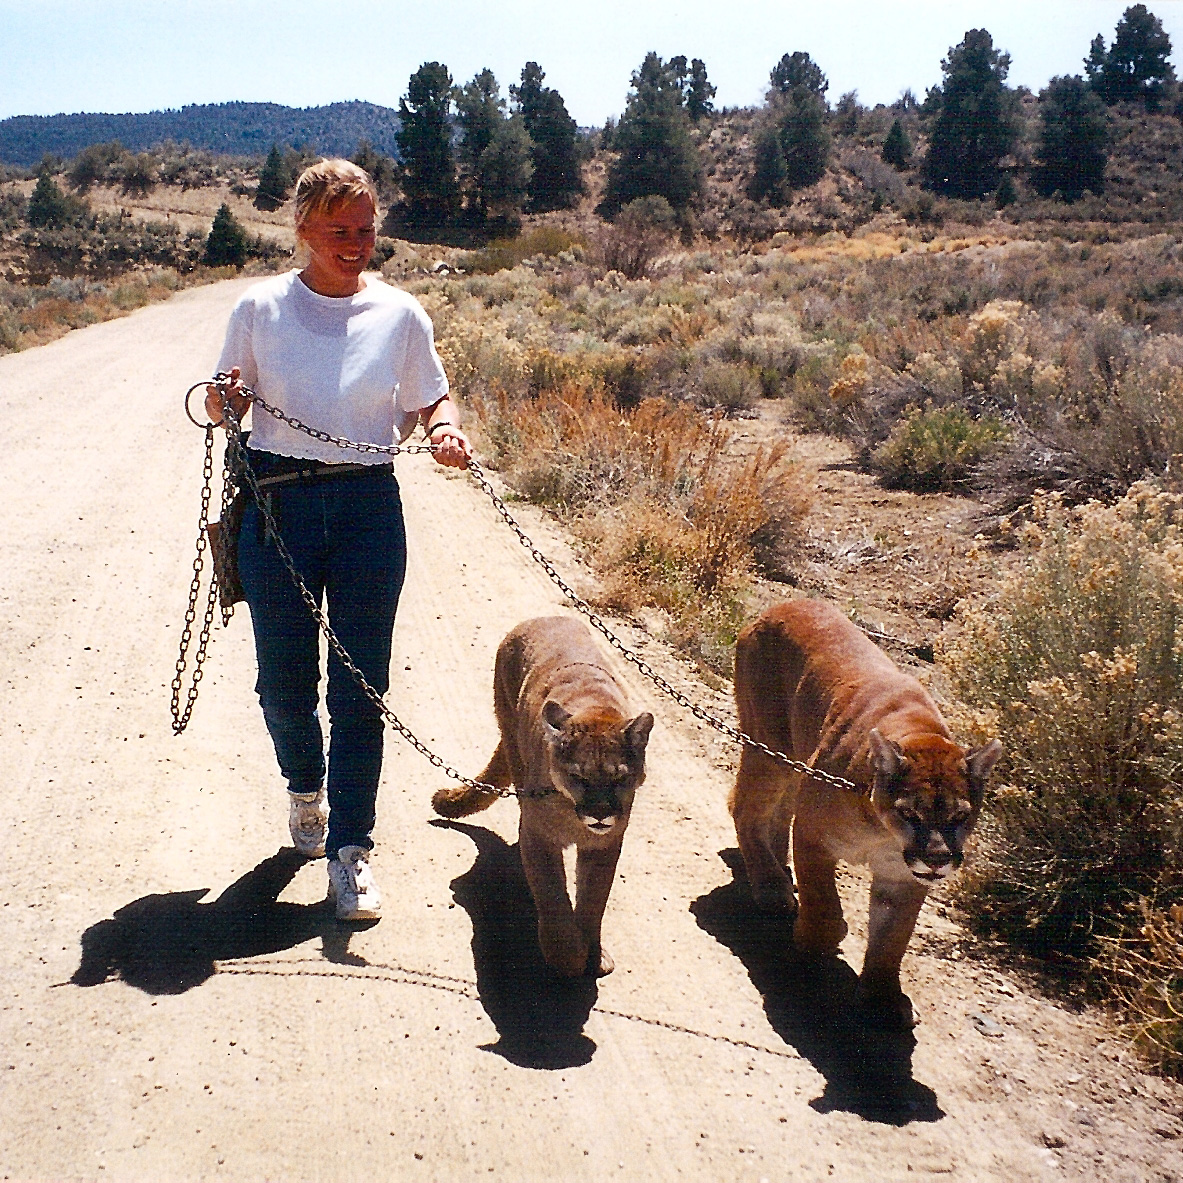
{"type": "Point", "coordinates": [239, 403]}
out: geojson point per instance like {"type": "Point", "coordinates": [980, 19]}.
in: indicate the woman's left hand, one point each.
{"type": "Point", "coordinates": [453, 449]}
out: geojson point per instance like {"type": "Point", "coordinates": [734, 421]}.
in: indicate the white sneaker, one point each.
{"type": "Point", "coordinates": [352, 886]}
{"type": "Point", "coordinates": [308, 821]}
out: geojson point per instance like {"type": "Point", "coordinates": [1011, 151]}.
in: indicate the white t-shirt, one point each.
{"type": "Point", "coordinates": [359, 366]}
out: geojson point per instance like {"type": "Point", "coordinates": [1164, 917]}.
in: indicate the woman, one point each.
{"type": "Point", "coordinates": [347, 354]}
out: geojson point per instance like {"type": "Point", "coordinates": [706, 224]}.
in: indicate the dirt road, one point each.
{"type": "Point", "coordinates": [175, 1002]}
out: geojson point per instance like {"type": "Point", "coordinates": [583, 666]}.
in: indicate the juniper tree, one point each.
{"type": "Point", "coordinates": [137, 173]}
{"type": "Point", "coordinates": [657, 152]}
{"type": "Point", "coordinates": [1073, 140]}
{"type": "Point", "coordinates": [48, 205]}
{"type": "Point", "coordinates": [425, 145]}
{"type": "Point", "coordinates": [803, 137]}
{"type": "Point", "coordinates": [769, 175]}
{"type": "Point", "coordinates": [91, 165]}
{"type": "Point", "coordinates": [557, 180]}
{"type": "Point", "coordinates": [274, 181]}
{"type": "Point", "coordinates": [974, 119]}
{"type": "Point", "coordinates": [847, 111]}
{"type": "Point", "coordinates": [226, 245]}
{"type": "Point", "coordinates": [897, 148]}
{"type": "Point", "coordinates": [503, 172]}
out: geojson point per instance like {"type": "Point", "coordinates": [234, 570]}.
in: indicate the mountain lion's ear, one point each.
{"type": "Point", "coordinates": [980, 763]}
{"type": "Point", "coordinates": [636, 734]}
{"type": "Point", "coordinates": [887, 756]}
{"type": "Point", "coordinates": [555, 718]}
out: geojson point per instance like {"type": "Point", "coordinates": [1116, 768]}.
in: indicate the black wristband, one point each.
{"type": "Point", "coordinates": [436, 426]}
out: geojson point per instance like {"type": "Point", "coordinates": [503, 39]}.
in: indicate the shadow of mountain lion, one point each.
{"type": "Point", "coordinates": [809, 1003]}
{"type": "Point", "coordinates": [539, 1015]}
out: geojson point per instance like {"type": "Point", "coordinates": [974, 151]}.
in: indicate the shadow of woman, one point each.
{"type": "Point", "coordinates": [809, 1003]}
{"type": "Point", "coordinates": [169, 943]}
{"type": "Point", "coordinates": [539, 1015]}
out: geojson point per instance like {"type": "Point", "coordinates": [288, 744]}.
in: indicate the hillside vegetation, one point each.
{"type": "Point", "coordinates": [228, 129]}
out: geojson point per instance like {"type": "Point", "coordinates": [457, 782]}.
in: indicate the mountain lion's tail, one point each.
{"type": "Point", "coordinates": [461, 800]}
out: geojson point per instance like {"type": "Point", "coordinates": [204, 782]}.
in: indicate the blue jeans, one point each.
{"type": "Point", "coordinates": [347, 538]}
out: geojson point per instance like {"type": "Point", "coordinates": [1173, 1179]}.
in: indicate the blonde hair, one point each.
{"type": "Point", "coordinates": [328, 182]}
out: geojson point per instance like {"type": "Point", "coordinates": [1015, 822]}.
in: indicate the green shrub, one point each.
{"type": "Point", "coordinates": [935, 450]}
{"type": "Point", "coordinates": [1078, 660]}
{"type": "Point", "coordinates": [504, 253]}
{"type": "Point", "coordinates": [12, 209]}
{"type": "Point", "coordinates": [730, 388]}
{"type": "Point", "coordinates": [227, 242]}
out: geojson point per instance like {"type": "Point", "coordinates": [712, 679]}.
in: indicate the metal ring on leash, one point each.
{"type": "Point", "coordinates": [188, 396]}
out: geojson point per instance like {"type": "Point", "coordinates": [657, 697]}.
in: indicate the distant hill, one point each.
{"type": "Point", "coordinates": [233, 129]}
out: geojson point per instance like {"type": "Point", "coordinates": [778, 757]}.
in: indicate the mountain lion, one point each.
{"type": "Point", "coordinates": [576, 759]}
{"type": "Point", "coordinates": [808, 683]}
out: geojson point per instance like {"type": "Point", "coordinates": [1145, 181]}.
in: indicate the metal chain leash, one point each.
{"type": "Point", "coordinates": [181, 716]}
{"type": "Point", "coordinates": [597, 622]}
{"type": "Point", "coordinates": [234, 435]}
{"type": "Point", "coordinates": [577, 601]}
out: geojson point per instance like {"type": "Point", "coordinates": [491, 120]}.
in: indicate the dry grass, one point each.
{"type": "Point", "coordinates": [31, 316]}
{"type": "Point", "coordinates": [673, 522]}
{"type": "Point", "coordinates": [1144, 969]}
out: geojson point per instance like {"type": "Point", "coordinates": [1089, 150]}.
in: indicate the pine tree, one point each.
{"type": "Point", "coordinates": [678, 70]}
{"type": "Point", "coordinates": [897, 148]}
{"type": "Point", "coordinates": [1073, 138]}
{"type": "Point", "coordinates": [480, 110]}
{"type": "Point", "coordinates": [503, 172]}
{"type": "Point", "coordinates": [803, 138]}
{"type": "Point", "coordinates": [799, 69]}
{"type": "Point", "coordinates": [226, 245]}
{"type": "Point", "coordinates": [1094, 64]}
{"type": "Point", "coordinates": [975, 122]}
{"type": "Point", "coordinates": [657, 152]}
{"type": "Point", "coordinates": [48, 205]}
{"type": "Point", "coordinates": [1137, 65]}
{"type": "Point", "coordinates": [425, 145]}
{"type": "Point", "coordinates": [769, 175]}
{"type": "Point", "coordinates": [699, 92]}
{"type": "Point", "coordinates": [557, 179]}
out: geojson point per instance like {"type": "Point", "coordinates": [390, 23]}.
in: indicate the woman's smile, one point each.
{"type": "Point", "coordinates": [341, 240]}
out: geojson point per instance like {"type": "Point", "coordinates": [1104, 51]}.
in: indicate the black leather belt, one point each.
{"type": "Point", "coordinates": [314, 471]}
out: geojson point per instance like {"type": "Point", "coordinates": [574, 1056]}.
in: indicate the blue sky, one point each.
{"type": "Point", "coordinates": [136, 55]}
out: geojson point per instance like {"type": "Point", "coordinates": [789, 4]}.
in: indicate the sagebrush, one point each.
{"type": "Point", "coordinates": [1077, 662]}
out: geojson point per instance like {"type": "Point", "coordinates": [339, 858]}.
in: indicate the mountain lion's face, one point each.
{"type": "Point", "coordinates": [597, 763]}
{"type": "Point", "coordinates": [929, 795]}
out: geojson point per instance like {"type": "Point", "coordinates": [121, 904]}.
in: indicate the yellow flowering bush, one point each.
{"type": "Point", "coordinates": [1078, 661]}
